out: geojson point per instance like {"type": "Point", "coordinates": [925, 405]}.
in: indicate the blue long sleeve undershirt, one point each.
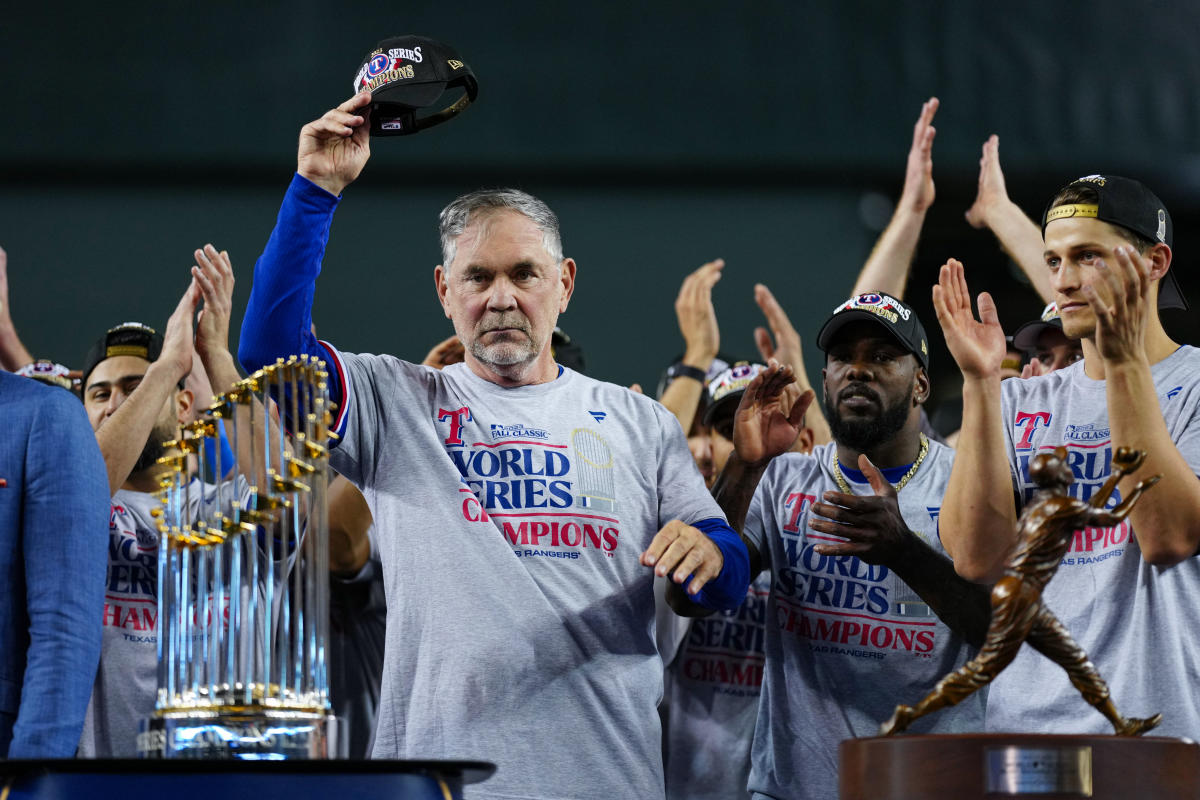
{"type": "Point", "coordinates": [278, 321]}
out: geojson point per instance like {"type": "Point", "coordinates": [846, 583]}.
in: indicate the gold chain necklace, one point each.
{"type": "Point", "coordinates": [845, 487]}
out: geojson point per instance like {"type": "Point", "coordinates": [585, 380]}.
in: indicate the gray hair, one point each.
{"type": "Point", "coordinates": [454, 218]}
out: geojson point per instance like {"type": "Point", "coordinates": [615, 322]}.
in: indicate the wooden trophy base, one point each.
{"type": "Point", "coordinates": [998, 765]}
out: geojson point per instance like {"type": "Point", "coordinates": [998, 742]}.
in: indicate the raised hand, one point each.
{"type": "Point", "coordinates": [873, 525]}
{"type": "Point", "coordinates": [992, 192]}
{"type": "Point", "coordinates": [918, 190]}
{"type": "Point", "coordinates": [1121, 318]}
{"type": "Point", "coordinates": [768, 419]}
{"type": "Point", "coordinates": [679, 550]}
{"type": "Point", "coordinates": [978, 347]}
{"type": "Point", "coordinates": [213, 274]}
{"type": "Point", "coordinates": [335, 148]}
{"type": "Point", "coordinates": [697, 316]}
{"type": "Point", "coordinates": [177, 337]}
{"type": "Point", "coordinates": [786, 346]}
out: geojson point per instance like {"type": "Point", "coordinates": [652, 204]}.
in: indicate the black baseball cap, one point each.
{"type": "Point", "coordinates": [895, 317]}
{"type": "Point", "coordinates": [1025, 337]}
{"type": "Point", "coordinates": [127, 339]}
{"type": "Point", "coordinates": [727, 388]}
{"type": "Point", "coordinates": [1128, 204]}
{"type": "Point", "coordinates": [406, 73]}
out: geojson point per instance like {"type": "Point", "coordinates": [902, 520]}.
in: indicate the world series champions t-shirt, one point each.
{"type": "Point", "coordinates": [1137, 622]}
{"type": "Point", "coordinates": [846, 641]}
{"type": "Point", "coordinates": [126, 685]}
{"type": "Point", "coordinates": [510, 522]}
{"type": "Point", "coordinates": [712, 699]}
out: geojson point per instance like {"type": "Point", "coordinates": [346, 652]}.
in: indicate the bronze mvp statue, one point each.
{"type": "Point", "coordinates": [1044, 532]}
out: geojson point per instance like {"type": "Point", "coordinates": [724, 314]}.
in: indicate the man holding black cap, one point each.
{"type": "Point", "coordinates": [551, 498]}
{"type": "Point", "coordinates": [1126, 593]}
{"type": "Point", "coordinates": [864, 606]}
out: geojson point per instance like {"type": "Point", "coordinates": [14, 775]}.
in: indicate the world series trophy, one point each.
{"type": "Point", "coordinates": [243, 577]}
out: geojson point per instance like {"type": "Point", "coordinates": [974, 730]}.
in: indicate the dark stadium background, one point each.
{"type": "Point", "coordinates": [772, 134]}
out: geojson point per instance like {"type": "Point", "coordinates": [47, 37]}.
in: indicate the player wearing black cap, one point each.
{"type": "Point", "coordinates": [134, 396]}
{"type": "Point", "coordinates": [1126, 592]}
{"type": "Point", "coordinates": [849, 534]}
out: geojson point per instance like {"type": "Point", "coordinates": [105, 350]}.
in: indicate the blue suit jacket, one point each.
{"type": "Point", "coordinates": [54, 512]}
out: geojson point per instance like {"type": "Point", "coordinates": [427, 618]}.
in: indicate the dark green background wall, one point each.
{"type": "Point", "coordinates": [664, 134]}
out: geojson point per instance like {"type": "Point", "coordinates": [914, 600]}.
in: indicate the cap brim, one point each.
{"type": "Point", "coordinates": [844, 318]}
{"type": "Point", "coordinates": [1025, 337]}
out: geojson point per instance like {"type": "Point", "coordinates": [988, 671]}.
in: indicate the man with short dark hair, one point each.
{"type": "Point", "coordinates": [521, 508]}
{"type": "Point", "coordinates": [864, 607]}
{"type": "Point", "coordinates": [1126, 593]}
{"type": "Point", "coordinates": [133, 393]}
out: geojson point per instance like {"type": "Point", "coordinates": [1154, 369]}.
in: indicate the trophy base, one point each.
{"type": "Point", "coordinates": [258, 735]}
{"type": "Point", "coordinates": [1048, 767]}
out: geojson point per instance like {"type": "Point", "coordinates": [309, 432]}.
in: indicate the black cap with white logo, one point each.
{"type": "Point", "coordinates": [896, 318]}
{"type": "Point", "coordinates": [406, 73]}
{"type": "Point", "coordinates": [1128, 204]}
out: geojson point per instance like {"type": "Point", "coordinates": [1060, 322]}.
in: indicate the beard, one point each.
{"type": "Point", "coordinates": [517, 346]}
{"type": "Point", "coordinates": [865, 434]}
{"type": "Point", "coordinates": [154, 450]}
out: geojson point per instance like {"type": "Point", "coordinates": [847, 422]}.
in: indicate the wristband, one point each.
{"type": "Point", "coordinates": [687, 371]}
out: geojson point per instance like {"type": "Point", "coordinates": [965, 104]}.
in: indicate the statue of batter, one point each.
{"type": "Point", "coordinates": [1044, 531]}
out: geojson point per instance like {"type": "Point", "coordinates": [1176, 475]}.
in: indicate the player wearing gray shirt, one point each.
{"type": "Point", "coordinates": [848, 639]}
{"type": "Point", "coordinates": [1144, 622]}
{"type": "Point", "coordinates": [1127, 593]}
{"type": "Point", "coordinates": [864, 607]}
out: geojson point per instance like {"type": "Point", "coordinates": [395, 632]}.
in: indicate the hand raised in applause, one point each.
{"type": "Point", "coordinates": [1121, 304]}
{"type": "Point", "coordinates": [335, 148]}
{"type": "Point", "coordinates": [992, 192]}
{"type": "Point", "coordinates": [178, 343]}
{"type": "Point", "coordinates": [214, 276]}
{"type": "Point", "coordinates": [770, 415]}
{"type": "Point", "coordinates": [698, 317]}
{"type": "Point", "coordinates": [786, 347]}
{"type": "Point", "coordinates": [918, 192]}
{"type": "Point", "coordinates": [978, 346]}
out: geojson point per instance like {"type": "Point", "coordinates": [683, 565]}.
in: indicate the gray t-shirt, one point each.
{"type": "Point", "coordinates": [126, 684]}
{"type": "Point", "coordinates": [1138, 623]}
{"type": "Point", "coordinates": [712, 700]}
{"type": "Point", "coordinates": [846, 641]}
{"type": "Point", "coordinates": [510, 522]}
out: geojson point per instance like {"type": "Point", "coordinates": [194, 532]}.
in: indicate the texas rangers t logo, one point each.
{"type": "Point", "coordinates": [1029, 422]}
{"type": "Point", "coordinates": [457, 417]}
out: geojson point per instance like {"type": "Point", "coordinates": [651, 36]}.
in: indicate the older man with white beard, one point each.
{"type": "Point", "coordinates": [522, 509]}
